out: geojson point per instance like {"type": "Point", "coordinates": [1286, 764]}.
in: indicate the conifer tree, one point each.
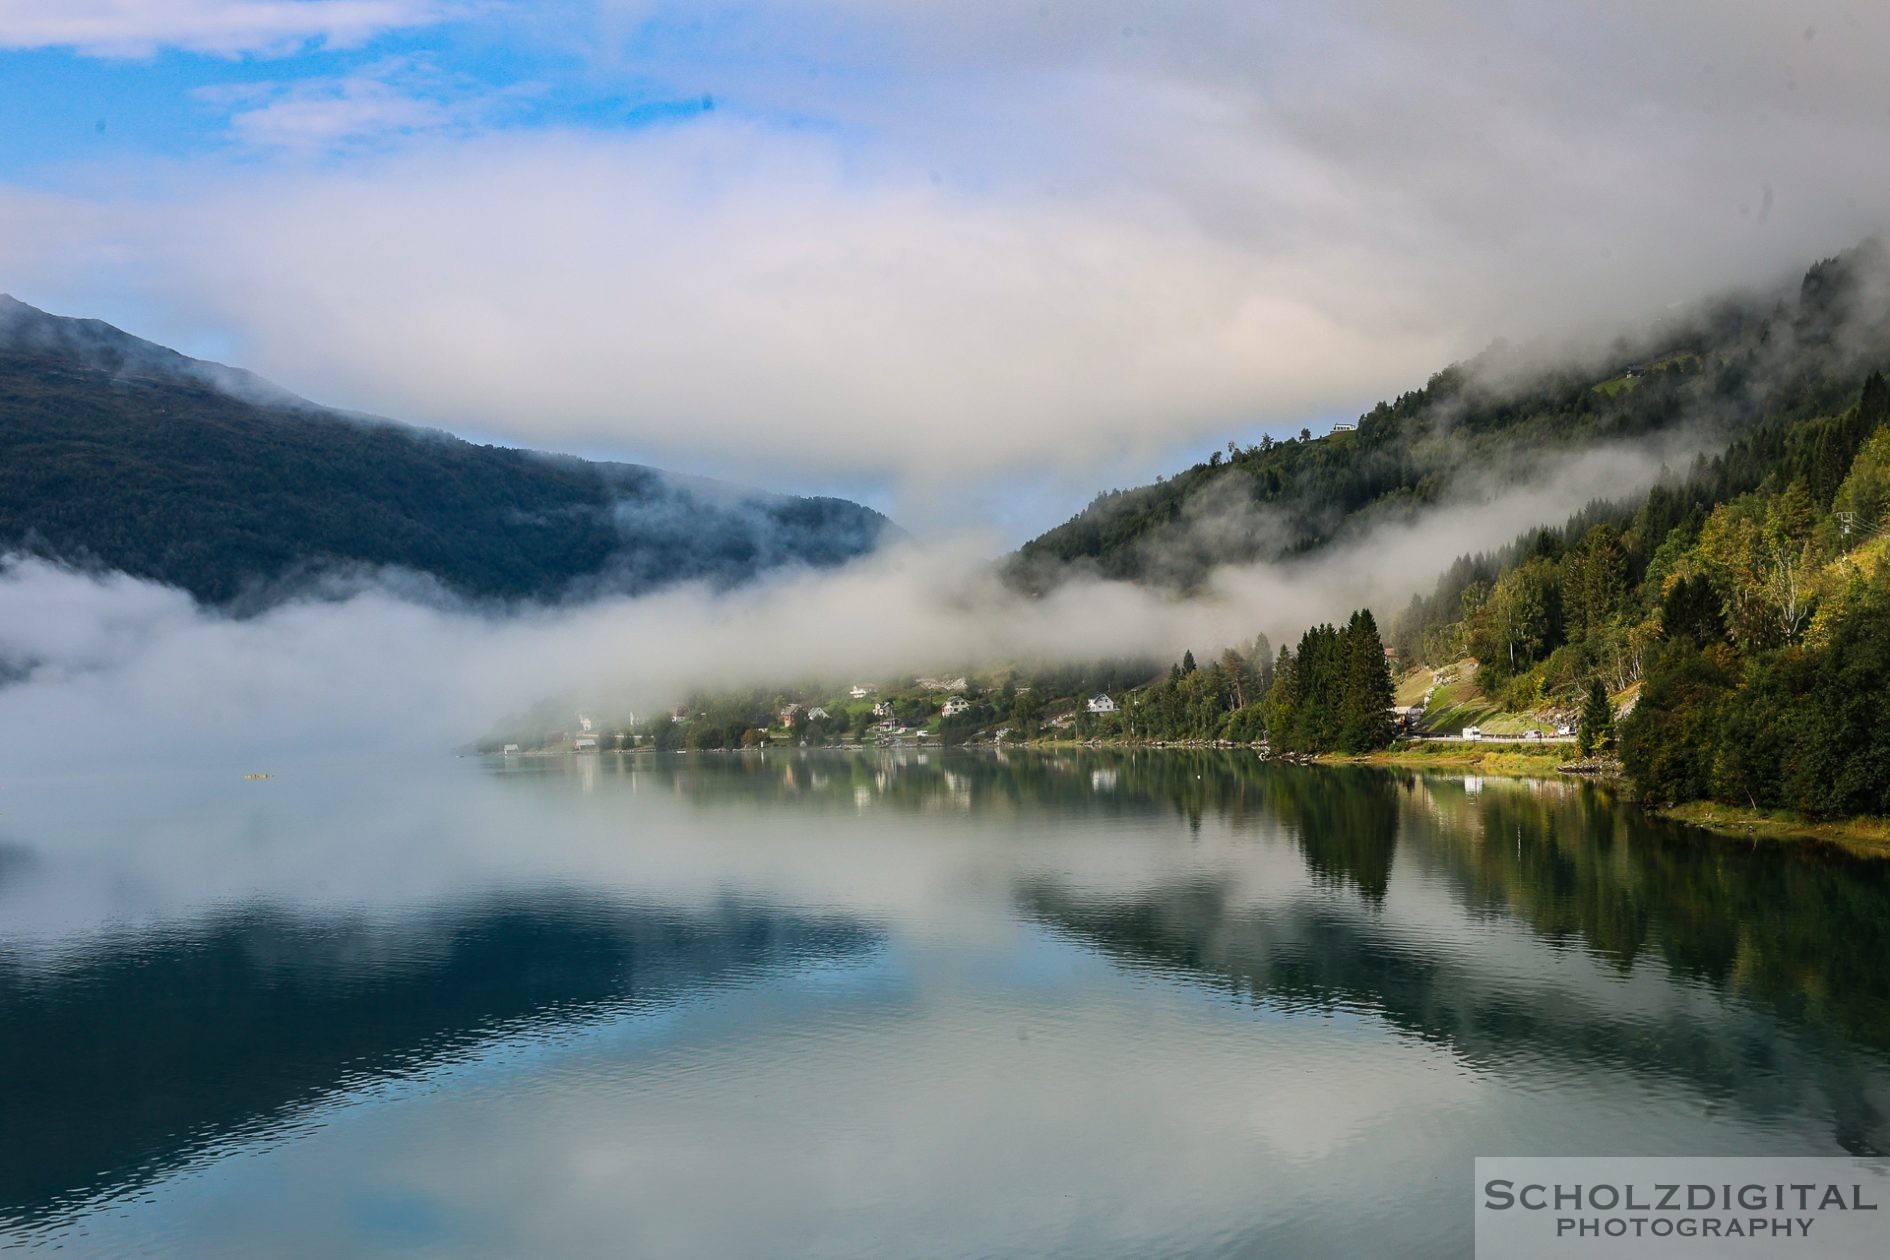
{"type": "Point", "coordinates": [1691, 611]}
{"type": "Point", "coordinates": [1597, 725]}
{"type": "Point", "coordinates": [1366, 696]}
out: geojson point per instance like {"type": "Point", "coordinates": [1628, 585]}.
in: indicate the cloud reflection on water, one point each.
{"type": "Point", "coordinates": [1118, 1002]}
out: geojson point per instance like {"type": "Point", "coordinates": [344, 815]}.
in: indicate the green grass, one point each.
{"type": "Point", "coordinates": [1462, 703]}
{"type": "Point", "coordinates": [1412, 686]}
{"type": "Point", "coordinates": [1455, 705]}
{"type": "Point", "coordinates": [1868, 837]}
{"type": "Point", "coordinates": [1503, 759]}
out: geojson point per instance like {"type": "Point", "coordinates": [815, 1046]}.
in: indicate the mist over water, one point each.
{"type": "Point", "coordinates": [395, 665]}
{"type": "Point", "coordinates": [828, 1003]}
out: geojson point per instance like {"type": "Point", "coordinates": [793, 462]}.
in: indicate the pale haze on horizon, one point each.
{"type": "Point", "coordinates": [952, 259]}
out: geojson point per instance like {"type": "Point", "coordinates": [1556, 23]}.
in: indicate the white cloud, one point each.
{"type": "Point", "coordinates": [731, 293]}
{"type": "Point", "coordinates": [372, 106]}
{"type": "Point", "coordinates": [932, 245]}
{"type": "Point", "coordinates": [138, 28]}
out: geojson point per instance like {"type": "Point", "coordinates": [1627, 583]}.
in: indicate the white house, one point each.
{"type": "Point", "coordinates": [510, 750]}
{"type": "Point", "coordinates": [1344, 427]}
{"type": "Point", "coordinates": [1101, 704]}
{"type": "Point", "coordinates": [816, 712]}
{"type": "Point", "coordinates": [1472, 732]}
{"type": "Point", "coordinates": [883, 709]}
{"type": "Point", "coordinates": [859, 691]}
{"type": "Point", "coordinates": [954, 706]}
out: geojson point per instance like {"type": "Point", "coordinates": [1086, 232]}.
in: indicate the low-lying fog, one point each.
{"type": "Point", "coordinates": [112, 666]}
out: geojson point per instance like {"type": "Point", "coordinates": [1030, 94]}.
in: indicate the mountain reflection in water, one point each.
{"type": "Point", "coordinates": [147, 1050]}
{"type": "Point", "coordinates": [194, 977]}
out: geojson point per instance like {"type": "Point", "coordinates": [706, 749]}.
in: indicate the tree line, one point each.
{"type": "Point", "coordinates": [1742, 609]}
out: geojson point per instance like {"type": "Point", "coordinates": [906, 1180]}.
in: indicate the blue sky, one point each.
{"type": "Point", "coordinates": [971, 261]}
{"type": "Point", "coordinates": [67, 104]}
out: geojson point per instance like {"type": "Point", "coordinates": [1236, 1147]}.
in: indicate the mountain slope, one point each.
{"type": "Point", "coordinates": [1723, 367]}
{"type": "Point", "coordinates": [119, 453]}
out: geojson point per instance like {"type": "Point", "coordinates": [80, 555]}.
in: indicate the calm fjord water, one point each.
{"type": "Point", "coordinates": [830, 1004]}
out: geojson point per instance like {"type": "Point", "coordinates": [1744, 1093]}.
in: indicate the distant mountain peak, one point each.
{"type": "Point", "coordinates": [118, 453]}
{"type": "Point", "coordinates": [28, 331]}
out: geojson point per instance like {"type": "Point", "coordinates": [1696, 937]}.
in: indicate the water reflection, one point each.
{"type": "Point", "coordinates": [1067, 968]}
{"type": "Point", "coordinates": [124, 1061]}
{"type": "Point", "coordinates": [1748, 974]}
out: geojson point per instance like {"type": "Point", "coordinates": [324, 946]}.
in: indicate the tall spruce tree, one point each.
{"type": "Point", "coordinates": [1366, 697]}
{"type": "Point", "coordinates": [1597, 725]}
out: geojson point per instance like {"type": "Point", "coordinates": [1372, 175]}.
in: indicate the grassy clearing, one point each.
{"type": "Point", "coordinates": [1491, 760]}
{"type": "Point", "coordinates": [1459, 702]}
{"type": "Point", "coordinates": [1868, 837]}
{"type": "Point", "coordinates": [1412, 686]}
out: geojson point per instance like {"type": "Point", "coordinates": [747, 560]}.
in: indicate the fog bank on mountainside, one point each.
{"type": "Point", "coordinates": [119, 454]}
{"type": "Point", "coordinates": [1478, 429]}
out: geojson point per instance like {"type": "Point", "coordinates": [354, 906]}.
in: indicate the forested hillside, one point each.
{"type": "Point", "coordinates": [1740, 611]}
{"type": "Point", "coordinates": [120, 454]}
{"type": "Point", "coordinates": [1743, 610]}
{"type": "Point", "coordinates": [1725, 369]}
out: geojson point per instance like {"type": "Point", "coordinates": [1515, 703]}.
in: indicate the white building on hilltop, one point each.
{"type": "Point", "coordinates": [954, 706]}
{"type": "Point", "coordinates": [1101, 704]}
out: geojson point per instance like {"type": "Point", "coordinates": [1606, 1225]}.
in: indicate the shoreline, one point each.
{"type": "Point", "coordinates": [1861, 837]}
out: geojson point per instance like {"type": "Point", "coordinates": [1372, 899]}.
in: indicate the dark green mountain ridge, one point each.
{"type": "Point", "coordinates": [1726, 366]}
{"type": "Point", "coordinates": [119, 454]}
